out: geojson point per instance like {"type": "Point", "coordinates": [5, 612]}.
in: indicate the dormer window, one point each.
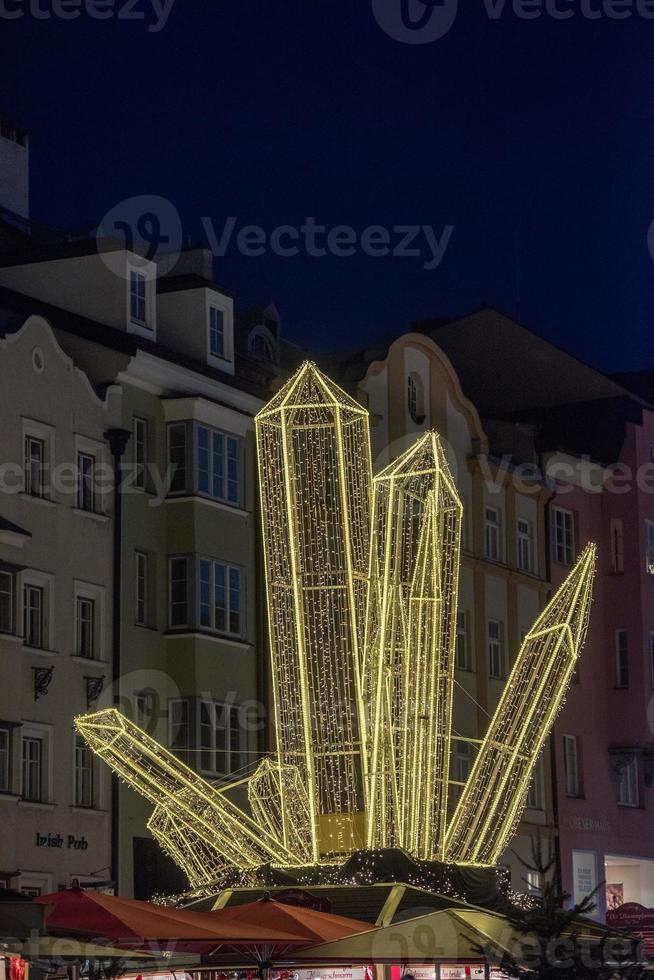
{"type": "Point", "coordinates": [137, 303]}
{"type": "Point", "coordinates": [216, 332]}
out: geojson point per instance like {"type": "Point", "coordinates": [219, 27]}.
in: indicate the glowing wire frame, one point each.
{"type": "Point", "coordinates": [495, 794]}
{"type": "Point", "coordinates": [362, 630]}
{"type": "Point", "coordinates": [410, 637]}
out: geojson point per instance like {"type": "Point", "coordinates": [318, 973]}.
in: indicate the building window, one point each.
{"type": "Point", "coordinates": [617, 547]}
{"type": "Point", "coordinates": [140, 446]}
{"type": "Point", "coordinates": [462, 648]}
{"type": "Point", "coordinates": [221, 738]}
{"type": "Point", "coordinates": [85, 627]}
{"type": "Point", "coordinates": [628, 783]}
{"type": "Point", "coordinates": [34, 466]}
{"type": "Point", "coordinates": [416, 398]}
{"type": "Point", "coordinates": [562, 536]}
{"type": "Point", "coordinates": [6, 602]}
{"type": "Point", "coordinates": [85, 482]}
{"type": "Point", "coordinates": [33, 616]}
{"type": "Point", "coordinates": [525, 545]}
{"type": "Point", "coordinates": [137, 306]}
{"type": "Point", "coordinates": [178, 594]}
{"type": "Point", "coordinates": [177, 458]}
{"type": "Point", "coordinates": [492, 549]}
{"type": "Point", "coordinates": [83, 796]}
{"type": "Point", "coordinates": [649, 547]}
{"type": "Point", "coordinates": [534, 882]}
{"type": "Point", "coordinates": [571, 765]}
{"type": "Point", "coordinates": [621, 659]}
{"type": "Point", "coordinates": [218, 465]}
{"type": "Point", "coordinates": [535, 793]}
{"type": "Point", "coordinates": [216, 332]}
{"type": "Point", "coordinates": [495, 649]}
{"type": "Point", "coordinates": [145, 710]}
{"type": "Point", "coordinates": [5, 760]}
{"type": "Point", "coordinates": [261, 347]}
{"type": "Point", "coordinates": [32, 769]}
{"type": "Point", "coordinates": [220, 597]}
{"type": "Point", "coordinates": [141, 588]}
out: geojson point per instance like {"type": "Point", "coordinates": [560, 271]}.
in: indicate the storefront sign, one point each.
{"type": "Point", "coordinates": [70, 842]}
{"type": "Point", "coordinates": [336, 973]}
{"type": "Point", "coordinates": [637, 919]}
{"type": "Point", "coordinates": [584, 877]}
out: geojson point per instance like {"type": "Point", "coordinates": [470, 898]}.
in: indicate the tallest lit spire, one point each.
{"type": "Point", "coordinates": [315, 473]}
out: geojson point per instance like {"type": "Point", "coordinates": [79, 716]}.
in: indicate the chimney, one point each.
{"type": "Point", "coordinates": [14, 169]}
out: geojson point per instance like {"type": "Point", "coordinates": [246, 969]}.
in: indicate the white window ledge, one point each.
{"type": "Point", "coordinates": [44, 501]}
{"type": "Point", "coordinates": [229, 641]}
{"type": "Point", "coordinates": [90, 811]}
{"type": "Point", "coordinates": [210, 501]}
{"type": "Point", "coordinates": [35, 805]}
{"type": "Point", "coordinates": [89, 661]}
{"type": "Point", "coordinates": [93, 515]}
{"type": "Point", "coordinates": [39, 650]}
{"type": "Point", "coordinates": [8, 797]}
{"type": "Point", "coordinates": [11, 637]}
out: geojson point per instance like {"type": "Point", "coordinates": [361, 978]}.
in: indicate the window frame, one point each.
{"type": "Point", "coordinates": [5, 759]}
{"type": "Point", "coordinates": [185, 623]}
{"type": "Point", "coordinates": [525, 540]}
{"type": "Point", "coordinates": [462, 644]}
{"type": "Point", "coordinates": [141, 558]}
{"type": "Point", "coordinates": [11, 605]}
{"type": "Point", "coordinates": [563, 552]}
{"type": "Point", "coordinates": [229, 712]}
{"type": "Point", "coordinates": [85, 497]}
{"type": "Point", "coordinates": [498, 643]}
{"type": "Point", "coordinates": [39, 590]}
{"type": "Point", "coordinates": [572, 786]}
{"type": "Point", "coordinates": [81, 600]}
{"type": "Point", "coordinates": [217, 330]}
{"type": "Point", "coordinates": [137, 301]}
{"type": "Point", "coordinates": [632, 802]}
{"type": "Point", "coordinates": [621, 659]}
{"type": "Point", "coordinates": [492, 531]}
{"type": "Point", "coordinates": [81, 751]}
{"type": "Point", "coordinates": [34, 741]}
{"type": "Point", "coordinates": [227, 569]}
{"type": "Point", "coordinates": [140, 465]}
{"type": "Point", "coordinates": [28, 475]}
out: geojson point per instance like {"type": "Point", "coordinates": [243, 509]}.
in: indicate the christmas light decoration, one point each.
{"type": "Point", "coordinates": [494, 796]}
{"type": "Point", "coordinates": [316, 477]}
{"type": "Point", "coordinates": [410, 637]}
{"type": "Point", "coordinates": [362, 581]}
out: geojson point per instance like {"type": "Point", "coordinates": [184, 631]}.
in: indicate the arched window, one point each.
{"type": "Point", "coordinates": [261, 346]}
{"type": "Point", "coordinates": [416, 398]}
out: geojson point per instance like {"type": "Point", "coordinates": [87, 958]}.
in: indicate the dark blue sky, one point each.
{"type": "Point", "coordinates": [533, 138]}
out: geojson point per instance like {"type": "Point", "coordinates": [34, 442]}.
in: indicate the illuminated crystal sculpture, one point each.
{"type": "Point", "coordinates": [361, 580]}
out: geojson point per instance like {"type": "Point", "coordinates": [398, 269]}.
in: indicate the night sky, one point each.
{"type": "Point", "coordinates": [534, 139]}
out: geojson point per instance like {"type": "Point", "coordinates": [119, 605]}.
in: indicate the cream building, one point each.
{"type": "Point", "coordinates": [56, 531]}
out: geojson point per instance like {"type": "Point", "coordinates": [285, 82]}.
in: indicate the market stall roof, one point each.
{"type": "Point", "coordinates": [451, 935]}
{"type": "Point", "coordinates": [130, 923]}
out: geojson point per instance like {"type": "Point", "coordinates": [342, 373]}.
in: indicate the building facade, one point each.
{"type": "Point", "coordinates": [56, 531]}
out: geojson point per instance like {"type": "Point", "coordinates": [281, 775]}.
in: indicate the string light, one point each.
{"type": "Point", "coordinates": [362, 580]}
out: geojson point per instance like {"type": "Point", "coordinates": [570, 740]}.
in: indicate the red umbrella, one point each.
{"type": "Point", "coordinates": [130, 923]}
{"type": "Point", "coordinates": [279, 918]}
